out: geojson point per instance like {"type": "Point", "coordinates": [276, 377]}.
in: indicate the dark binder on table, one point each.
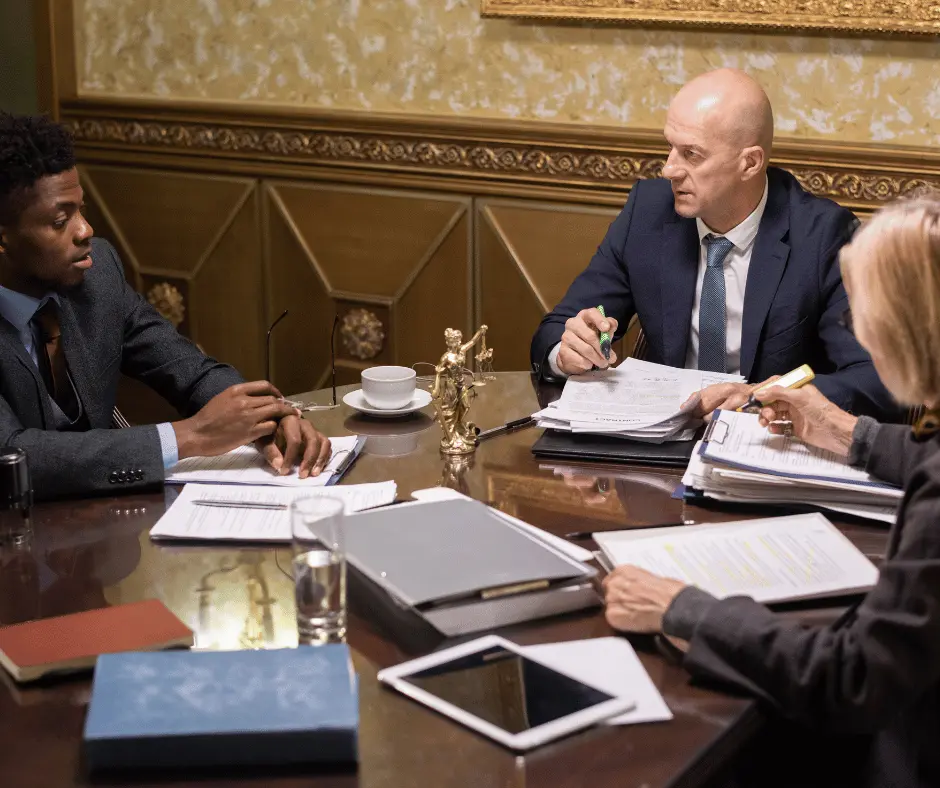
{"type": "Point", "coordinates": [558, 444]}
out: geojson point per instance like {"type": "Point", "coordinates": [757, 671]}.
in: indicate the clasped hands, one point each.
{"type": "Point", "coordinates": [255, 412]}
{"type": "Point", "coordinates": [636, 599]}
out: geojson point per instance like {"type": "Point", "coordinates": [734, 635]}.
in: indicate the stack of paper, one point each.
{"type": "Point", "coordinates": [246, 465]}
{"type": "Point", "coordinates": [232, 516]}
{"type": "Point", "coordinates": [777, 559]}
{"type": "Point", "coordinates": [637, 400]}
{"type": "Point", "coordinates": [743, 462]}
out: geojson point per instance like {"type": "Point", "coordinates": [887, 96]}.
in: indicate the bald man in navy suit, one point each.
{"type": "Point", "coordinates": [730, 265]}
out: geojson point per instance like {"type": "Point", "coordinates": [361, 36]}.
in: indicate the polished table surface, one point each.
{"type": "Point", "coordinates": [90, 553]}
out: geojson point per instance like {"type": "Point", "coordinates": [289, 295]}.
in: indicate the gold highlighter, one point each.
{"type": "Point", "coordinates": [792, 380]}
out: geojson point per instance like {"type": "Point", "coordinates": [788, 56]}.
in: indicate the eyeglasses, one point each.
{"type": "Point", "coordinates": [267, 365]}
{"type": "Point", "coordinates": [846, 322]}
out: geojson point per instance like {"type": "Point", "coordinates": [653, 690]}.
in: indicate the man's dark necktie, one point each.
{"type": "Point", "coordinates": [712, 347]}
{"type": "Point", "coordinates": [51, 354]}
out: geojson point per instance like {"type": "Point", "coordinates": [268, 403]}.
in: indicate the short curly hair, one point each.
{"type": "Point", "coordinates": [31, 147]}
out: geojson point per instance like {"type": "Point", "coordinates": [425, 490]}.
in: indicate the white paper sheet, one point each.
{"type": "Point", "coordinates": [246, 465]}
{"type": "Point", "coordinates": [638, 399]}
{"type": "Point", "coordinates": [186, 520]}
{"type": "Point", "coordinates": [612, 665]}
{"type": "Point", "coordinates": [773, 559]}
{"type": "Point", "coordinates": [738, 440]}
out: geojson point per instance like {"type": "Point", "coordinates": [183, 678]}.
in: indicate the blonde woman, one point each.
{"type": "Point", "coordinates": [871, 679]}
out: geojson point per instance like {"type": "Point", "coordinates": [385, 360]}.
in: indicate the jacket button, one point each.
{"type": "Point", "coordinates": [113, 477]}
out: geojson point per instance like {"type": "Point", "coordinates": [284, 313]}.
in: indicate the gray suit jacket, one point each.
{"type": "Point", "coordinates": [107, 329]}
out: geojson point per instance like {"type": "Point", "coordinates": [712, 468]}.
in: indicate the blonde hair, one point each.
{"type": "Point", "coordinates": [892, 271]}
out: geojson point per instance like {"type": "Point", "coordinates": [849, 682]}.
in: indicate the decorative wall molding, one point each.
{"type": "Point", "coordinates": [496, 151]}
{"type": "Point", "coordinates": [917, 17]}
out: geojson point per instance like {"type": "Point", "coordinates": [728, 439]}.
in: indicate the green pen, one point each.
{"type": "Point", "coordinates": [605, 337]}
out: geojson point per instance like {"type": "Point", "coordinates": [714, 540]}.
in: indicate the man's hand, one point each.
{"type": "Point", "coordinates": [807, 414]}
{"type": "Point", "coordinates": [296, 440]}
{"type": "Point", "coordinates": [580, 344]}
{"type": "Point", "coordinates": [637, 600]}
{"type": "Point", "coordinates": [239, 415]}
{"type": "Point", "coordinates": [593, 489]}
{"type": "Point", "coordinates": [725, 396]}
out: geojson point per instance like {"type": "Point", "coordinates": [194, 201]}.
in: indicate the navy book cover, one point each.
{"type": "Point", "coordinates": [205, 708]}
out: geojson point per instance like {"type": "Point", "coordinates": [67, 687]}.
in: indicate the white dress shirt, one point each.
{"type": "Point", "coordinates": [736, 265]}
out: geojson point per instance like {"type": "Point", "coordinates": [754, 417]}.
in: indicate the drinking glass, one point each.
{"type": "Point", "coordinates": [319, 564]}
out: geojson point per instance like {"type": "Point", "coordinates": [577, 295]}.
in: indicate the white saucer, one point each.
{"type": "Point", "coordinates": [356, 401]}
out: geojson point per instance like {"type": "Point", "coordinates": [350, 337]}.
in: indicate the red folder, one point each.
{"type": "Point", "coordinates": [73, 642]}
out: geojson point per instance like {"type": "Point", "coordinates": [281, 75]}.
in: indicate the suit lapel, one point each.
{"type": "Point", "coordinates": [678, 269]}
{"type": "Point", "coordinates": [13, 345]}
{"type": "Point", "coordinates": [768, 262]}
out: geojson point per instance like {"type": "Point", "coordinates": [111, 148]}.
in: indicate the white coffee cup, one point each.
{"type": "Point", "coordinates": [388, 388]}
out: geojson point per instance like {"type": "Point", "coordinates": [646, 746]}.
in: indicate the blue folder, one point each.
{"type": "Point", "coordinates": [223, 708]}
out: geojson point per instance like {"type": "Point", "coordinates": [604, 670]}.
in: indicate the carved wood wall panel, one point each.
{"type": "Point", "coordinates": [393, 264]}
{"type": "Point", "coordinates": [192, 244]}
{"type": "Point", "coordinates": [300, 350]}
{"type": "Point", "coordinates": [554, 161]}
{"type": "Point", "coordinates": [528, 253]}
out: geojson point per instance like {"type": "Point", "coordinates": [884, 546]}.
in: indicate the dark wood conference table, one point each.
{"type": "Point", "coordinates": [96, 552]}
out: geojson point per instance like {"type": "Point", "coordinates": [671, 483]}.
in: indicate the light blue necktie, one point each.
{"type": "Point", "coordinates": [711, 309]}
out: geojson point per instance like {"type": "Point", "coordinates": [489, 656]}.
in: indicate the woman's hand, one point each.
{"type": "Point", "coordinates": [637, 600]}
{"type": "Point", "coordinates": [809, 416]}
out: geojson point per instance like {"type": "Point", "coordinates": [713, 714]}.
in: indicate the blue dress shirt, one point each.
{"type": "Point", "coordinates": [18, 310]}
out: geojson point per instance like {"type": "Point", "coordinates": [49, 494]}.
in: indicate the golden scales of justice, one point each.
{"type": "Point", "coordinates": [453, 386]}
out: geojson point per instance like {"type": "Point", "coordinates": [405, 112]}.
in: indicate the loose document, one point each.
{"type": "Point", "coordinates": [776, 559]}
{"type": "Point", "coordinates": [740, 461]}
{"type": "Point", "coordinates": [637, 400]}
{"type": "Point", "coordinates": [187, 519]}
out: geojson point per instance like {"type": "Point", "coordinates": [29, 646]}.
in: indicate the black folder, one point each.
{"type": "Point", "coordinates": [557, 444]}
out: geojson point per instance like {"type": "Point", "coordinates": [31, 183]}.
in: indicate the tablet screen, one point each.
{"type": "Point", "coordinates": [506, 689]}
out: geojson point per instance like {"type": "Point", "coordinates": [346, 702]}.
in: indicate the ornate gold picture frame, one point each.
{"type": "Point", "coordinates": [918, 17]}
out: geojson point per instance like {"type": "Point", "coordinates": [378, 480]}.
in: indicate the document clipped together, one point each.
{"type": "Point", "coordinates": [775, 559]}
{"type": "Point", "coordinates": [246, 465]}
{"type": "Point", "coordinates": [740, 461]}
{"type": "Point", "coordinates": [637, 400]}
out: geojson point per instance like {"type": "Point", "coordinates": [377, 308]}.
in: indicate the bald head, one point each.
{"type": "Point", "coordinates": [720, 130]}
{"type": "Point", "coordinates": [732, 104]}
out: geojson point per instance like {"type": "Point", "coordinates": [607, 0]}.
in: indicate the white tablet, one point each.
{"type": "Point", "coordinates": [492, 686]}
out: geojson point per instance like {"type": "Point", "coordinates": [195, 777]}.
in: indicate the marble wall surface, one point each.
{"type": "Point", "coordinates": [440, 57]}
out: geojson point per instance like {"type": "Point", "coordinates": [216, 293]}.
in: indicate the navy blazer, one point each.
{"type": "Point", "coordinates": [794, 300]}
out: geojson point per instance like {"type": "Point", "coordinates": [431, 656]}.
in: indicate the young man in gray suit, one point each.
{"type": "Point", "coordinates": [70, 325]}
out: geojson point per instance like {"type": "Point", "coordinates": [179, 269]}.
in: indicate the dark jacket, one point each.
{"type": "Point", "coordinates": [794, 300]}
{"type": "Point", "coordinates": [107, 329]}
{"type": "Point", "coordinates": [875, 674]}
